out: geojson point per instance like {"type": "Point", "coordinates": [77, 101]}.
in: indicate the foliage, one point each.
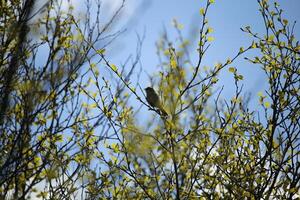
{"type": "Point", "coordinates": [48, 137]}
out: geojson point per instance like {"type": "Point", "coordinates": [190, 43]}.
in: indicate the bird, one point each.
{"type": "Point", "coordinates": [154, 101]}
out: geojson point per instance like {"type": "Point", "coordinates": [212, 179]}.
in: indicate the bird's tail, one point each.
{"type": "Point", "coordinates": [163, 111]}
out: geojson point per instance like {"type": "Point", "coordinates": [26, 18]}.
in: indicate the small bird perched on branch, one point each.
{"type": "Point", "coordinates": [154, 101]}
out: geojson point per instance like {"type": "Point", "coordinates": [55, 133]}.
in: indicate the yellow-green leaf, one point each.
{"type": "Point", "coordinates": [210, 38]}
{"type": "Point", "coordinates": [210, 30]}
{"type": "Point", "coordinates": [232, 69]}
{"type": "Point", "coordinates": [173, 63]}
{"type": "Point", "coordinates": [267, 104]}
{"type": "Point", "coordinates": [101, 51]}
{"type": "Point", "coordinates": [202, 11]}
{"type": "Point", "coordinates": [114, 67]}
{"type": "Point", "coordinates": [242, 49]}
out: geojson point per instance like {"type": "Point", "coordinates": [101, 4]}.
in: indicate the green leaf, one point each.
{"type": "Point", "coordinates": [210, 39]}
{"type": "Point", "coordinates": [210, 30]}
{"type": "Point", "coordinates": [114, 67]}
{"type": "Point", "coordinates": [267, 104]}
{"type": "Point", "coordinates": [239, 77]}
{"type": "Point", "coordinates": [242, 49]}
{"type": "Point", "coordinates": [232, 69]}
{"type": "Point", "coordinates": [173, 63]}
{"type": "Point", "coordinates": [101, 51]}
{"type": "Point", "coordinates": [202, 11]}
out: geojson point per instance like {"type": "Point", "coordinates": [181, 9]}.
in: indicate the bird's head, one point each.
{"type": "Point", "coordinates": [149, 89]}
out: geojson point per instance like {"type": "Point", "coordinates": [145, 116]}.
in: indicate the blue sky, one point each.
{"type": "Point", "coordinates": [226, 17]}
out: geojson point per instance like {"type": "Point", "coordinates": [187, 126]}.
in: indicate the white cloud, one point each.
{"type": "Point", "coordinates": [111, 6]}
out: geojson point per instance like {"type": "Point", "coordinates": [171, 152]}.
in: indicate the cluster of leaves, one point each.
{"type": "Point", "coordinates": [47, 126]}
{"type": "Point", "coordinates": [207, 147]}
